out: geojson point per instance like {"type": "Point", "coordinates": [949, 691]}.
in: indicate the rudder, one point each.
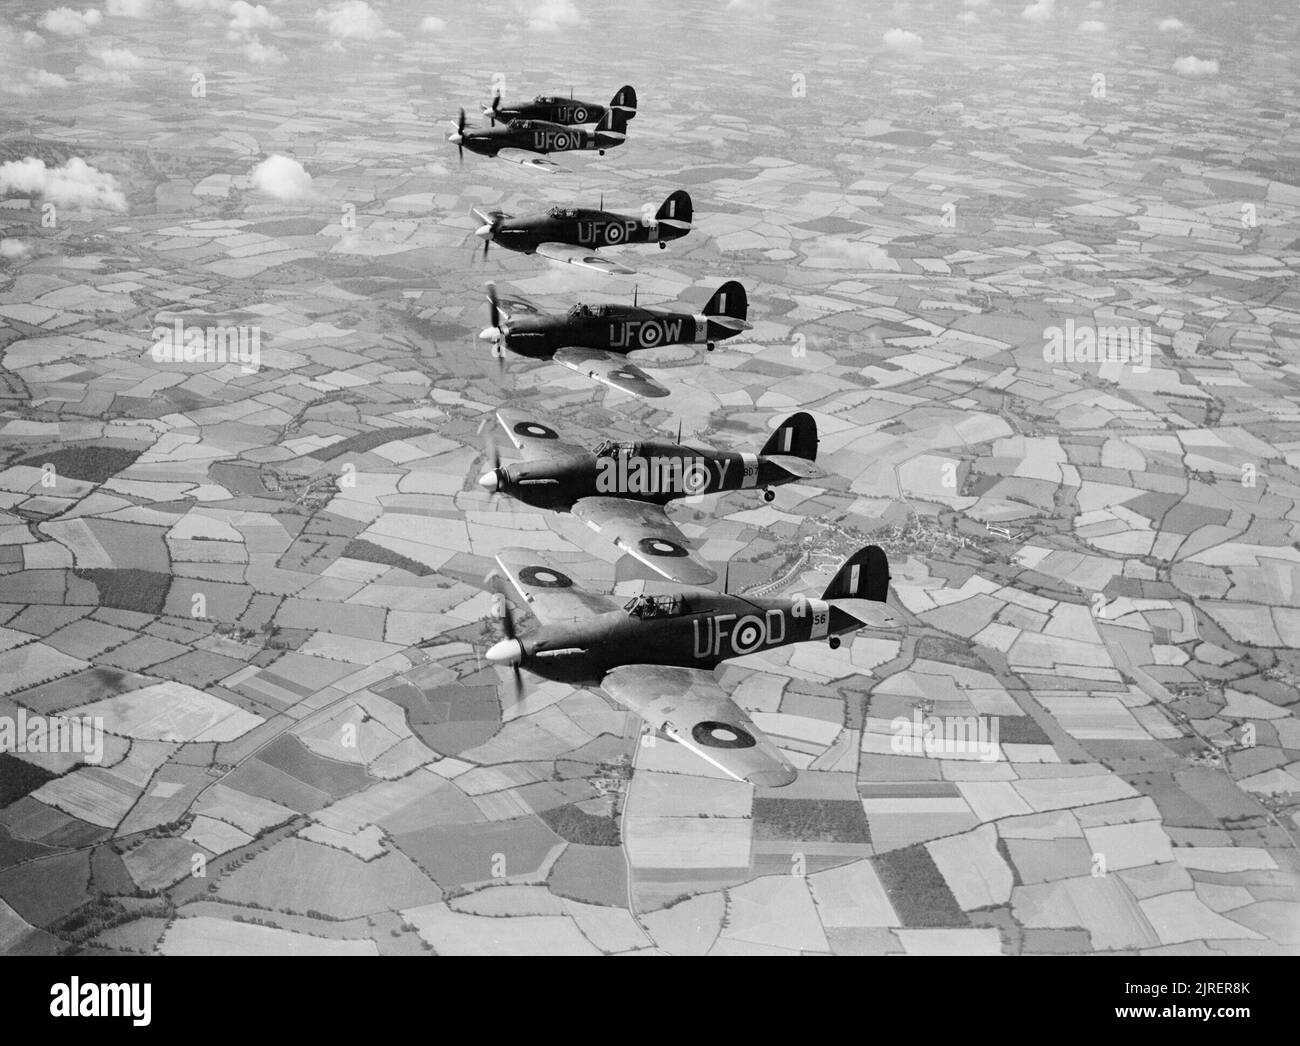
{"type": "Point", "coordinates": [728, 300]}
{"type": "Point", "coordinates": [677, 208]}
{"type": "Point", "coordinates": [796, 436]}
{"type": "Point", "coordinates": [625, 100]}
{"type": "Point", "coordinates": [864, 575]}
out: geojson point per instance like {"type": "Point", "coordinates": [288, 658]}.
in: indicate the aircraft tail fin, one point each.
{"type": "Point", "coordinates": [796, 437]}
{"type": "Point", "coordinates": [625, 100]}
{"type": "Point", "coordinates": [728, 300]}
{"type": "Point", "coordinates": [864, 575]}
{"type": "Point", "coordinates": [676, 212]}
{"type": "Point", "coordinates": [612, 129]}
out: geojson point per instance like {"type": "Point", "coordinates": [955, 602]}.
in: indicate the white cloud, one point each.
{"type": "Point", "coordinates": [12, 249]}
{"type": "Point", "coordinates": [1095, 5]}
{"type": "Point", "coordinates": [432, 25]}
{"type": "Point", "coordinates": [32, 41]}
{"type": "Point", "coordinates": [902, 40]}
{"type": "Point", "coordinates": [974, 3]}
{"type": "Point", "coordinates": [549, 16]}
{"type": "Point", "coordinates": [1171, 25]}
{"type": "Point", "coordinates": [76, 184]}
{"type": "Point", "coordinates": [1190, 65]}
{"type": "Point", "coordinates": [245, 18]}
{"type": "Point", "coordinates": [64, 21]}
{"type": "Point", "coordinates": [1039, 11]}
{"type": "Point", "coordinates": [968, 18]}
{"type": "Point", "coordinates": [131, 8]}
{"type": "Point", "coordinates": [282, 177]}
{"type": "Point", "coordinates": [353, 20]}
{"type": "Point", "coordinates": [1092, 27]}
{"type": "Point", "coordinates": [118, 58]}
{"type": "Point", "coordinates": [262, 54]}
{"type": "Point", "coordinates": [30, 82]}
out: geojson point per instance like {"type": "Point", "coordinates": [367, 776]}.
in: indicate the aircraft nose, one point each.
{"type": "Point", "coordinates": [490, 334]}
{"type": "Point", "coordinates": [483, 231]}
{"type": "Point", "coordinates": [489, 481]}
{"type": "Point", "coordinates": [506, 652]}
{"type": "Point", "coordinates": [455, 138]}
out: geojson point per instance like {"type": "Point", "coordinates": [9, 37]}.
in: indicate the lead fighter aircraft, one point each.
{"type": "Point", "coordinates": [655, 655]}
{"type": "Point", "coordinates": [574, 234]}
{"type": "Point", "coordinates": [621, 489]}
{"type": "Point", "coordinates": [596, 340]}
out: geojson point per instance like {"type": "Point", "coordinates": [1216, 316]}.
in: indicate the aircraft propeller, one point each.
{"type": "Point", "coordinates": [491, 111]}
{"type": "Point", "coordinates": [487, 233]}
{"type": "Point", "coordinates": [459, 136]}
{"type": "Point", "coordinates": [497, 332]}
{"type": "Point", "coordinates": [501, 613]}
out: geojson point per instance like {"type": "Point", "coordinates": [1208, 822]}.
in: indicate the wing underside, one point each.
{"type": "Point", "coordinates": [566, 252]}
{"type": "Point", "coordinates": [689, 706]}
{"type": "Point", "coordinates": [609, 368]}
{"type": "Point", "coordinates": [535, 437]}
{"type": "Point", "coordinates": [531, 160]}
{"type": "Point", "coordinates": [644, 531]}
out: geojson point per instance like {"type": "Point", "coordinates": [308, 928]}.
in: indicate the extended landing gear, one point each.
{"type": "Point", "coordinates": [709, 345]}
{"type": "Point", "coordinates": [769, 495]}
{"type": "Point", "coordinates": [600, 152]}
{"type": "Point", "coordinates": [833, 642]}
{"type": "Point", "coordinates": [663, 246]}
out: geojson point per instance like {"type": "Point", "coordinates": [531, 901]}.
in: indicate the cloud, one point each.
{"type": "Point", "coordinates": [974, 3]}
{"type": "Point", "coordinates": [262, 54]}
{"type": "Point", "coordinates": [1092, 27]}
{"type": "Point", "coordinates": [11, 249]}
{"type": "Point", "coordinates": [282, 177]}
{"type": "Point", "coordinates": [64, 21]}
{"type": "Point", "coordinates": [549, 16]}
{"type": "Point", "coordinates": [1190, 65]}
{"type": "Point", "coordinates": [1171, 25]}
{"type": "Point", "coordinates": [432, 25]}
{"type": "Point", "coordinates": [968, 18]}
{"type": "Point", "coordinates": [353, 20]}
{"type": "Point", "coordinates": [30, 82]}
{"type": "Point", "coordinates": [131, 8]}
{"type": "Point", "coordinates": [245, 19]}
{"type": "Point", "coordinates": [902, 40]}
{"type": "Point", "coordinates": [1039, 11]}
{"type": "Point", "coordinates": [118, 58]}
{"type": "Point", "coordinates": [76, 184]}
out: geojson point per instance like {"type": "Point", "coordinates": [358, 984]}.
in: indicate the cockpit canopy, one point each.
{"type": "Point", "coordinates": [644, 606]}
{"type": "Point", "coordinates": [545, 99]}
{"type": "Point", "coordinates": [608, 448]}
{"type": "Point", "coordinates": [562, 212]}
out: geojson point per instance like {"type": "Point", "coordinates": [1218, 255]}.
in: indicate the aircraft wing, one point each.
{"type": "Point", "coordinates": [689, 706]}
{"type": "Point", "coordinates": [526, 159]}
{"type": "Point", "coordinates": [611, 369]}
{"type": "Point", "coordinates": [548, 589]}
{"type": "Point", "coordinates": [645, 533]}
{"type": "Point", "coordinates": [534, 437]}
{"type": "Point", "coordinates": [566, 252]}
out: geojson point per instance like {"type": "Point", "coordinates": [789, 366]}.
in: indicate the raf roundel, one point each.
{"type": "Point", "coordinates": [545, 577]}
{"type": "Point", "coordinates": [661, 547]}
{"type": "Point", "coordinates": [579, 115]}
{"type": "Point", "coordinates": [748, 635]}
{"type": "Point", "coordinates": [613, 232]}
{"type": "Point", "coordinates": [536, 430]}
{"type": "Point", "coordinates": [721, 735]}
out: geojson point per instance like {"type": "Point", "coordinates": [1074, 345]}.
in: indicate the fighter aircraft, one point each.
{"type": "Point", "coordinates": [595, 340]}
{"type": "Point", "coordinates": [655, 654]}
{"type": "Point", "coordinates": [573, 235]}
{"type": "Point", "coordinates": [519, 140]}
{"type": "Point", "coordinates": [621, 489]}
{"type": "Point", "coordinates": [554, 109]}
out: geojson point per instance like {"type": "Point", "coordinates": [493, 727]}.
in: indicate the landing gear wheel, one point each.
{"type": "Point", "coordinates": [663, 246]}
{"type": "Point", "coordinates": [601, 152]}
{"type": "Point", "coordinates": [709, 345]}
{"type": "Point", "coordinates": [833, 642]}
{"type": "Point", "coordinates": [769, 495]}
